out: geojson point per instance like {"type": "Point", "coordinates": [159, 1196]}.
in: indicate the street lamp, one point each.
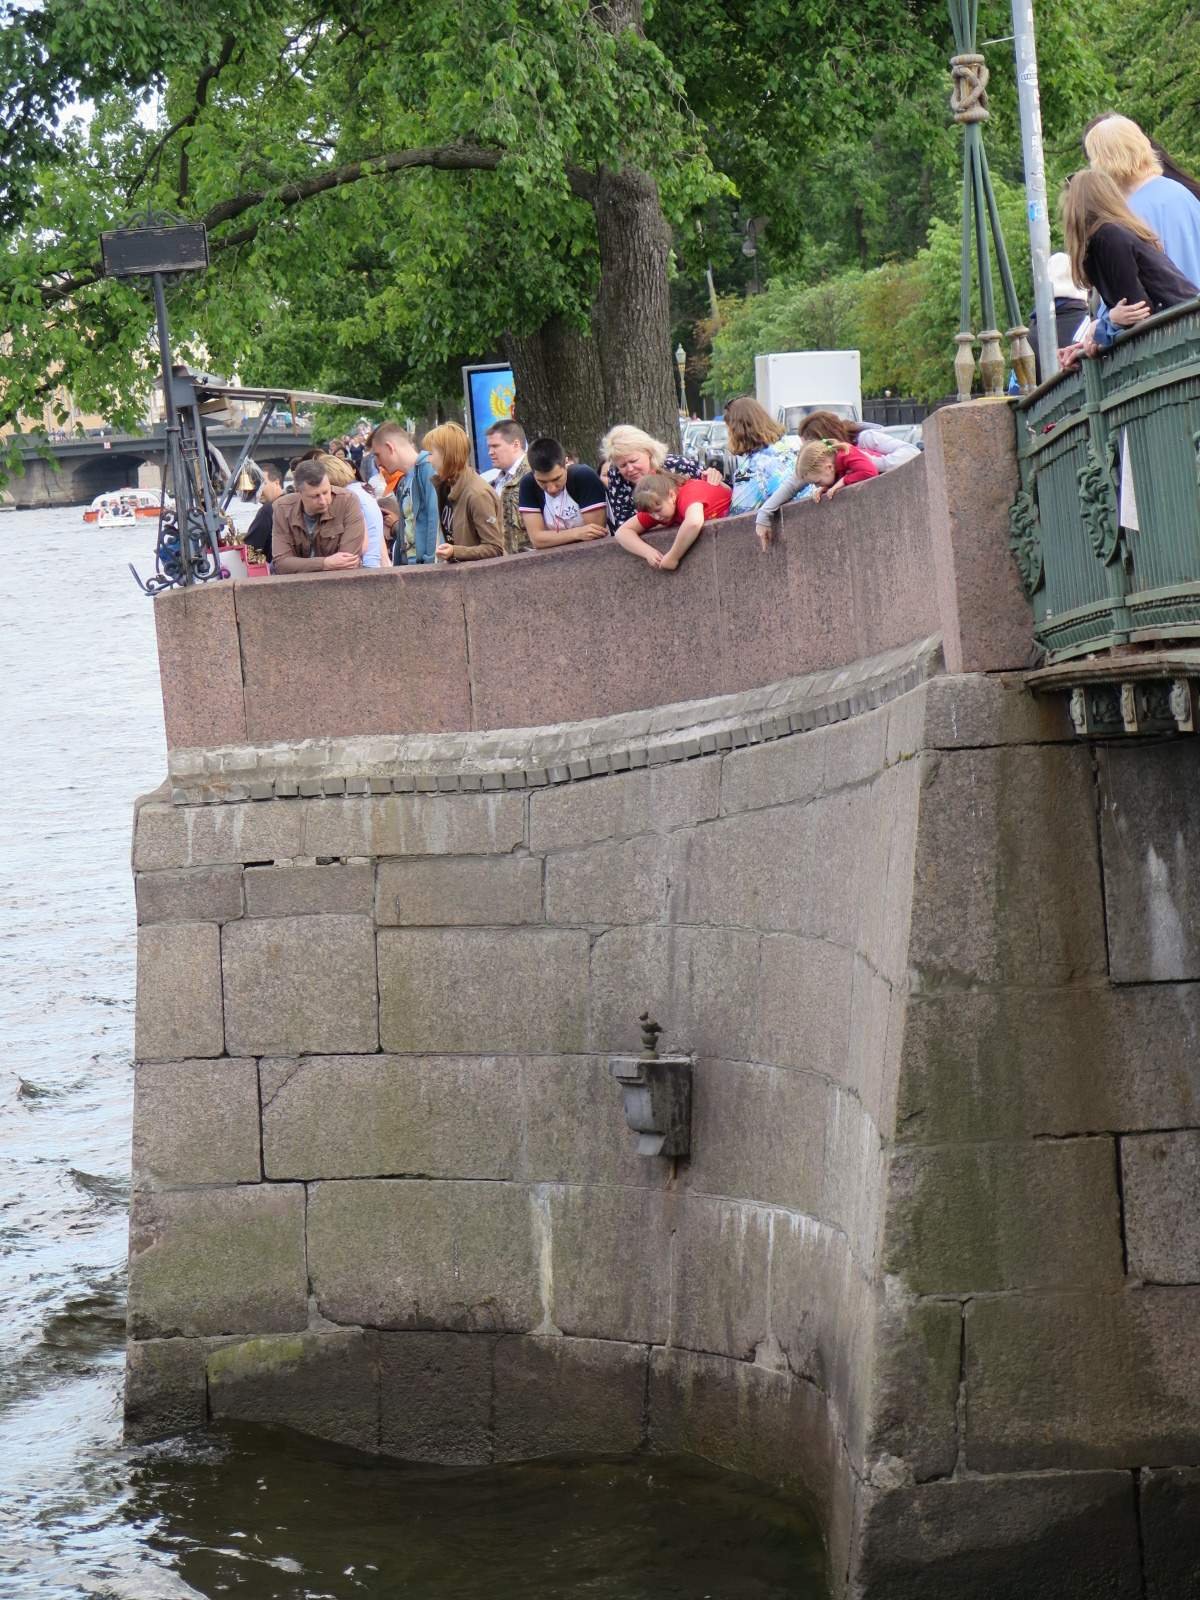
{"type": "Point", "coordinates": [681, 363]}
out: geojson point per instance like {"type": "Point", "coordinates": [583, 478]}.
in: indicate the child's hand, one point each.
{"type": "Point", "coordinates": [714, 476]}
{"type": "Point", "coordinates": [668, 562]}
{"type": "Point", "coordinates": [834, 487]}
{"type": "Point", "coordinates": [765, 532]}
{"type": "Point", "coordinates": [653, 556]}
{"type": "Point", "coordinates": [818, 494]}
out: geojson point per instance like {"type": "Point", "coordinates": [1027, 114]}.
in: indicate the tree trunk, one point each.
{"type": "Point", "coordinates": [631, 318]}
{"type": "Point", "coordinates": [560, 389]}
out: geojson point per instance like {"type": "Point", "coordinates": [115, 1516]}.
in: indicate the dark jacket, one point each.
{"type": "Point", "coordinates": [1120, 266]}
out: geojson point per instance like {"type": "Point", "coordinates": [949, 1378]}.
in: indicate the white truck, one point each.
{"type": "Point", "coordinates": [791, 384]}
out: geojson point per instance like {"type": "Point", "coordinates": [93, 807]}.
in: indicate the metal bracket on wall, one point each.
{"type": "Point", "coordinates": [657, 1091]}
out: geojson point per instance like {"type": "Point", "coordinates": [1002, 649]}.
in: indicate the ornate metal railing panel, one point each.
{"type": "Point", "coordinates": [1106, 527]}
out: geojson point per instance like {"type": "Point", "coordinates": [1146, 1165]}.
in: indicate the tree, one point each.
{"type": "Point", "coordinates": [498, 174]}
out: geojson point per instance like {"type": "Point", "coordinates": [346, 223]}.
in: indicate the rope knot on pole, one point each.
{"type": "Point", "coordinates": [968, 98]}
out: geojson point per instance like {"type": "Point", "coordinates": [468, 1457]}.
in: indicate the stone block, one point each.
{"type": "Point", "coordinates": [323, 1384]}
{"type": "Point", "coordinates": [1058, 1536]}
{"type": "Point", "coordinates": [822, 1318]}
{"type": "Point", "coordinates": [194, 625]}
{"type": "Point", "coordinates": [758, 1133]}
{"type": "Point", "coordinates": [354, 653]}
{"type": "Point", "coordinates": [467, 890]}
{"type": "Point", "coordinates": [852, 1198]}
{"type": "Point", "coordinates": [657, 800]}
{"type": "Point", "coordinates": [720, 1265]}
{"type": "Point", "coordinates": [615, 882]}
{"type": "Point", "coordinates": [300, 984]}
{"type": "Point", "coordinates": [559, 1397]}
{"type": "Point", "coordinates": [191, 894]}
{"type": "Point", "coordinates": [1170, 1526]}
{"type": "Point", "coordinates": [751, 1419]}
{"type": "Point", "coordinates": [195, 1122]}
{"type": "Point", "coordinates": [213, 1261]}
{"type": "Point", "coordinates": [178, 992]}
{"type": "Point", "coordinates": [435, 1397]}
{"type": "Point", "coordinates": [1083, 1380]}
{"type": "Point", "coordinates": [412, 1254]}
{"type": "Point", "coordinates": [876, 1036]}
{"type": "Point", "coordinates": [906, 726]}
{"type": "Point", "coordinates": [1022, 1062]}
{"type": "Point", "coordinates": [805, 989]}
{"type": "Point", "coordinates": [978, 1218]}
{"type": "Point", "coordinates": [792, 869]}
{"type": "Point", "coordinates": [165, 1389]}
{"type": "Point", "coordinates": [1150, 835]}
{"type": "Point", "coordinates": [415, 825]}
{"type": "Point", "coordinates": [1007, 882]}
{"type": "Point", "coordinates": [976, 709]}
{"type": "Point", "coordinates": [789, 770]}
{"type": "Point", "coordinates": [575, 1128]}
{"type": "Point", "coordinates": [970, 458]}
{"type": "Point", "coordinates": [857, 749]}
{"type": "Point", "coordinates": [915, 1390]}
{"type": "Point", "coordinates": [395, 1116]}
{"type": "Point", "coordinates": [451, 990]}
{"type": "Point", "coordinates": [1160, 1175]}
{"type": "Point", "coordinates": [201, 836]}
{"type": "Point", "coordinates": [610, 1261]}
{"type": "Point", "coordinates": [338, 889]}
{"type": "Point", "coordinates": [700, 984]}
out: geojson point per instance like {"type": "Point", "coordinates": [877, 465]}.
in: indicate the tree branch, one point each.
{"type": "Point", "coordinates": [444, 158]}
{"type": "Point", "coordinates": [203, 84]}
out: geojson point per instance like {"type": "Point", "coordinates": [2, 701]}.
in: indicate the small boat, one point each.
{"type": "Point", "coordinates": [123, 508]}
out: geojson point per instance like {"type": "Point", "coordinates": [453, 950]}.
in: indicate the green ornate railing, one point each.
{"type": "Point", "coordinates": [1106, 527]}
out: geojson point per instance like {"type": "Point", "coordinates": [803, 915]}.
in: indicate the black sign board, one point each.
{"type": "Point", "coordinates": [139, 252]}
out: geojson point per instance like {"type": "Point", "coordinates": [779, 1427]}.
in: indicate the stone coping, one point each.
{"type": "Point", "coordinates": [521, 758]}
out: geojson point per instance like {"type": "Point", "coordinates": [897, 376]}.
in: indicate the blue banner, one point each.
{"type": "Point", "coordinates": [490, 396]}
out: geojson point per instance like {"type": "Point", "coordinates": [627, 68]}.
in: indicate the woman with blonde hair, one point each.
{"type": "Point", "coordinates": [1115, 252]}
{"type": "Point", "coordinates": [342, 475]}
{"type": "Point", "coordinates": [632, 454]}
{"type": "Point", "coordinates": [1117, 147]}
{"type": "Point", "coordinates": [468, 509]}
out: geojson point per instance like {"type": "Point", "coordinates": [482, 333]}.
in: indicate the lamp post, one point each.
{"type": "Point", "coordinates": [681, 363]}
{"type": "Point", "coordinates": [1030, 106]}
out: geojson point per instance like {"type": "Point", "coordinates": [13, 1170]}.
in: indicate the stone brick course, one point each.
{"type": "Point", "coordinates": [295, 891]}
{"type": "Point", "coordinates": [460, 891]}
{"type": "Point", "coordinates": [195, 1122]}
{"type": "Point", "coordinates": [191, 894]}
{"type": "Point", "coordinates": [179, 1009]}
{"type": "Point", "coordinates": [1161, 1184]}
{"type": "Point", "coordinates": [300, 984]}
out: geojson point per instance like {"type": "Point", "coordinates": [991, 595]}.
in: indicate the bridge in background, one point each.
{"type": "Point", "coordinates": [74, 471]}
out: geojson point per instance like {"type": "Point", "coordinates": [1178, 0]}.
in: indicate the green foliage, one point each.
{"type": "Point", "coordinates": [902, 316]}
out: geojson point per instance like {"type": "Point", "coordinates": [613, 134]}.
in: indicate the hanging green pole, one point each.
{"type": "Point", "coordinates": [968, 103]}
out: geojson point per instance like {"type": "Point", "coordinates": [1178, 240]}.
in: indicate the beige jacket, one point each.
{"type": "Point", "coordinates": [475, 529]}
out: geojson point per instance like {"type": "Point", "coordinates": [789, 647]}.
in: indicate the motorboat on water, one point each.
{"type": "Point", "coordinates": [124, 508]}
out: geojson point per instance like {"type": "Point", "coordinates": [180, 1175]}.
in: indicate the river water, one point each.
{"type": "Point", "coordinates": [249, 1512]}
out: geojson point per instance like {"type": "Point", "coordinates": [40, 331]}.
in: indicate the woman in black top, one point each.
{"type": "Point", "coordinates": [1116, 252]}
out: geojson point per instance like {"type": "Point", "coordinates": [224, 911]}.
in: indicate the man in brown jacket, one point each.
{"type": "Point", "coordinates": [316, 529]}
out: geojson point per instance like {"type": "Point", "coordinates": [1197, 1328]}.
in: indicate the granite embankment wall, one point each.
{"type": "Point", "coordinates": [931, 1260]}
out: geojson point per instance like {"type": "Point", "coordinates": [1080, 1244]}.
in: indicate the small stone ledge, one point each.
{"type": "Point", "coordinates": [529, 758]}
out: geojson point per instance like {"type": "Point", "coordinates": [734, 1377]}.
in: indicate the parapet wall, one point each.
{"type": "Point", "coordinates": [577, 633]}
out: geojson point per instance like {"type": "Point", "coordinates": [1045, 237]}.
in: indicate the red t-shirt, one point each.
{"type": "Point", "coordinates": [714, 497]}
{"type": "Point", "coordinates": [854, 465]}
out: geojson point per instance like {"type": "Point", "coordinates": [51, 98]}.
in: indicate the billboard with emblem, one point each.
{"type": "Point", "coordinates": [489, 395]}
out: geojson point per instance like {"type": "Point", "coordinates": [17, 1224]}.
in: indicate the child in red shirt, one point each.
{"type": "Point", "coordinates": [830, 465]}
{"type": "Point", "coordinates": [664, 502]}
